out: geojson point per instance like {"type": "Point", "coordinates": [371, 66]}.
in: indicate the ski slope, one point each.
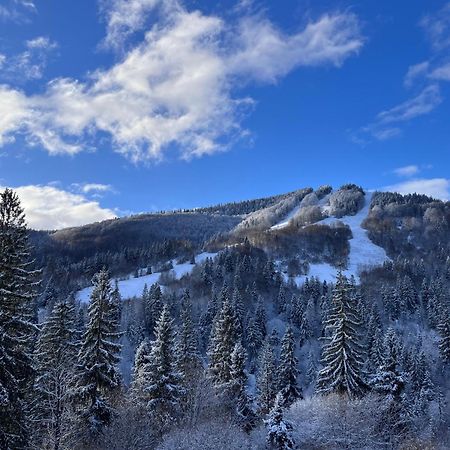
{"type": "Point", "coordinates": [133, 287]}
{"type": "Point", "coordinates": [363, 252]}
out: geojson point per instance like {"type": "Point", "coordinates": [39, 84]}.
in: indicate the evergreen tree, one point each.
{"type": "Point", "coordinates": [141, 358]}
{"type": "Point", "coordinates": [389, 382]}
{"type": "Point", "coordinates": [188, 357]}
{"type": "Point", "coordinates": [245, 417]}
{"type": "Point", "coordinates": [266, 383]}
{"type": "Point", "coordinates": [17, 317]}
{"type": "Point", "coordinates": [56, 355]}
{"type": "Point", "coordinates": [288, 370]}
{"type": "Point", "coordinates": [279, 430]}
{"type": "Point", "coordinates": [444, 343]}
{"type": "Point", "coordinates": [223, 338]}
{"type": "Point", "coordinates": [161, 383]}
{"type": "Point", "coordinates": [342, 356]}
{"type": "Point", "coordinates": [98, 378]}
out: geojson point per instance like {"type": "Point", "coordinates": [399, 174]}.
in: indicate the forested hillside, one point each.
{"type": "Point", "coordinates": [318, 319]}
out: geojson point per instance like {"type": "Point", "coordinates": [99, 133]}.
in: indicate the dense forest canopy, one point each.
{"type": "Point", "coordinates": [233, 342]}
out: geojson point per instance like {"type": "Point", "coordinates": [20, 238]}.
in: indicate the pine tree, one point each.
{"type": "Point", "coordinates": [342, 356]}
{"type": "Point", "coordinates": [223, 338]}
{"type": "Point", "coordinates": [281, 300]}
{"type": "Point", "coordinates": [444, 343]}
{"type": "Point", "coordinates": [55, 356]}
{"type": "Point", "coordinates": [266, 383]}
{"type": "Point", "coordinates": [141, 358]}
{"type": "Point", "coordinates": [17, 316]}
{"type": "Point", "coordinates": [189, 362]}
{"type": "Point", "coordinates": [245, 417]}
{"type": "Point", "coordinates": [152, 306]}
{"type": "Point", "coordinates": [161, 382]}
{"type": "Point", "coordinates": [98, 378]}
{"type": "Point", "coordinates": [279, 430]}
{"type": "Point", "coordinates": [390, 384]}
{"type": "Point", "coordinates": [288, 370]}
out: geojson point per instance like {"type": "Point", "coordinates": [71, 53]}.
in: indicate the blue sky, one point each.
{"type": "Point", "coordinates": [116, 107]}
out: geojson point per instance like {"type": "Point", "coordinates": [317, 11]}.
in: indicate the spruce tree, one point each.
{"type": "Point", "coordinates": [189, 362]}
{"type": "Point", "coordinates": [141, 358]}
{"type": "Point", "coordinates": [266, 382]}
{"type": "Point", "coordinates": [56, 356]}
{"type": "Point", "coordinates": [288, 370]}
{"type": "Point", "coordinates": [444, 342]}
{"type": "Point", "coordinates": [98, 378]}
{"type": "Point", "coordinates": [279, 430]}
{"type": "Point", "coordinates": [223, 338]}
{"type": "Point", "coordinates": [161, 383]}
{"type": "Point", "coordinates": [389, 382]}
{"type": "Point", "coordinates": [245, 417]}
{"type": "Point", "coordinates": [17, 317]}
{"type": "Point", "coordinates": [342, 356]}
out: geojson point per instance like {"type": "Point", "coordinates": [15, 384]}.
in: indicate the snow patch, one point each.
{"type": "Point", "coordinates": [133, 287]}
{"type": "Point", "coordinates": [363, 252]}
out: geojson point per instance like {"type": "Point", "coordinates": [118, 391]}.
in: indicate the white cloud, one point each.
{"type": "Point", "coordinates": [387, 123]}
{"type": "Point", "coordinates": [414, 72]}
{"type": "Point", "coordinates": [96, 188]}
{"type": "Point", "coordinates": [417, 106]}
{"type": "Point", "coordinates": [125, 17]}
{"type": "Point", "coordinates": [407, 171]}
{"type": "Point", "coordinates": [441, 73]}
{"type": "Point", "coordinates": [265, 53]}
{"type": "Point", "coordinates": [437, 28]}
{"type": "Point", "coordinates": [176, 89]}
{"type": "Point", "coordinates": [42, 43]}
{"type": "Point", "coordinates": [434, 187]}
{"type": "Point", "coordinates": [16, 10]}
{"type": "Point", "coordinates": [48, 208]}
{"type": "Point", "coordinates": [29, 64]}
{"type": "Point", "coordinates": [13, 112]}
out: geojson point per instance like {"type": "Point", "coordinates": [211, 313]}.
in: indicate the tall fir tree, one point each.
{"type": "Point", "coordinates": [98, 378]}
{"type": "Point", "coordinates": [18, 283]}
{"type": "Point", "coordinates": [141, 358]}
{"type": "Point", "coordinates": [342, 356]}
{"type": "Point", "coordinates": [444, 342]}
{"type": "Point", "coordinates": [245, 416]}
{"type": "Point", "coordinates": [279, 430]}
{"type": "Point", "coordinates": [189, 361]}
{"type": "Point", "coordinates": [288, 370]}
{"type": "Point", "coordinates": [266, 382]}
{"type": "Point", "coordinates": [389, 382]}
{"type": "Point", "coordinates": [161, 383]}
{"type": "Point", "coordinates": [56, 356]}
{"type": "Point", "coordinates": [223, 339]}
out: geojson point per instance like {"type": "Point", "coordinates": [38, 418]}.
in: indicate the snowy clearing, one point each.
{"type": "Point", "coordinates": [363, 252]}
{"type": "Point", "coordinates": [133, 287]}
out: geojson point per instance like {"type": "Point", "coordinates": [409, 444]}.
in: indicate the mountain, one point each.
{"type": "Point", "coordinates": [316, 307]}
{"type": "Point", "coordinates": [307, 232]}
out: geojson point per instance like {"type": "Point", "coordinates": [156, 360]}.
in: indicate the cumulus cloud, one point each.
{"type": "Point", "coordinates": [48, 208]}
{"type": "Point", "coordinates": [434, 187]}
{"type": "Point", "coordinates": [407, 171]}
{"type": "Point", "coordinates": [175, 89]}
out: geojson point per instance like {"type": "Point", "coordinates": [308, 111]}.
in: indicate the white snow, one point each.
{"type": "Point", "coordinates": [363, 252]}
{"type": "Point", "coordinates": [285, 222]}
{"type": "Point", "coordinates": [133, 287]}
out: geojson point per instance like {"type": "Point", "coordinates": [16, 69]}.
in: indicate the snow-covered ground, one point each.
{"type": "Point", "coordinates": [133, 287]}
{"type": "Point", "coordinates": [363, 252]}
{"type": "Point", "coordinates": [284, 222]}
